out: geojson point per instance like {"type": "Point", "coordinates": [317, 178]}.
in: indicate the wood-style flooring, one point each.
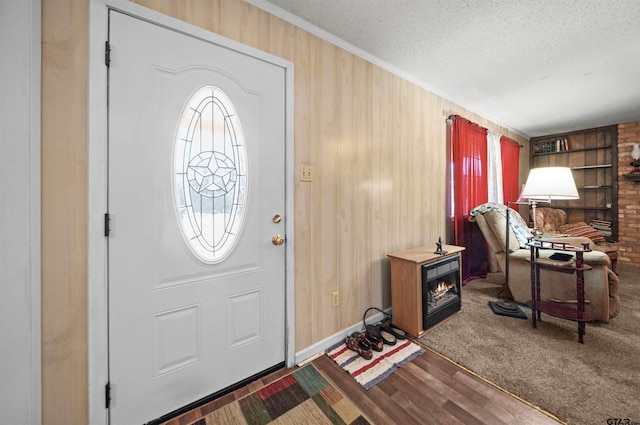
{"type": "Point", "coordinates": [428, 390]}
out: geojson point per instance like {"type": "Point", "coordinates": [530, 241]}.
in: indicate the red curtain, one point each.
{"type": "Point", "coordinates": [510, 154]}
{"type": "Point", "coordinates": [470, 188]}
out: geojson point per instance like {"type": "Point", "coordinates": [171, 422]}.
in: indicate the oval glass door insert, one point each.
{"type": "Point", "coordinates": [210, 166]}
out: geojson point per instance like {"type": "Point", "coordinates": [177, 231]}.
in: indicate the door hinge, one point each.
{"type": "Point", "coordinates": [107, 227]}
{"type": "Point", "coordinates": [107, 395]}
{"type": "Point", "coordinates": [107, 53]}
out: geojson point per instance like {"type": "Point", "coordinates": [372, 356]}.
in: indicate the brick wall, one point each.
{"type": "Point", "coordinates": [628, 197]}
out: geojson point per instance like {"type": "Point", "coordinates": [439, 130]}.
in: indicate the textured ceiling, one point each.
{"type": "Point", "coordinates": [537, 67]}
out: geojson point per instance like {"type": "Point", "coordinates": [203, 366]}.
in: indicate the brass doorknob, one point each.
{"type": "Point", "coordinates": [277, 240]}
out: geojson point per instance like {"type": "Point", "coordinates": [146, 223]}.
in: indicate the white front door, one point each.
{"type": "Point", "coordinates": [196, 182]}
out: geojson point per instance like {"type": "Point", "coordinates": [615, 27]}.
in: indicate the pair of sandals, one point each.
{"type": "Point", "coordinates": [388, 333]}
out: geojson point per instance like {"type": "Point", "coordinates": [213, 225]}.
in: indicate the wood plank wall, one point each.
{"type": "Point", "coordinates": [64, 211]}
{"type": "Point", "coordinates": [375, 140]}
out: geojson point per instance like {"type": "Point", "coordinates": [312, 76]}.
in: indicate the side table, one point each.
{"type": "Point", "coordinates": [554, 308]}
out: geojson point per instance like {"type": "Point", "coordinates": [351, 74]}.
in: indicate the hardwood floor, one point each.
{"type": "Point", "coordinates": [428, 390]}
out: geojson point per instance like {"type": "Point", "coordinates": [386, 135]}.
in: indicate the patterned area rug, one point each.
{"type": "Point", "coordinates": [370, 372]}
{"type": "Point", "coordinates": [302, 397]}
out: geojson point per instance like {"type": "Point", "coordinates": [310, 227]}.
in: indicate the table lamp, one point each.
{"type": "Point", "coordinates": [546, 184]}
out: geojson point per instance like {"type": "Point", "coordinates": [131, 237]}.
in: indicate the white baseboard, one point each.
{"type": "Point", "coordinates": [315, 350]}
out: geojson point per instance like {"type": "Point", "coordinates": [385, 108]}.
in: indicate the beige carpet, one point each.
{"type": "Point", "coordinates": [579, 383]}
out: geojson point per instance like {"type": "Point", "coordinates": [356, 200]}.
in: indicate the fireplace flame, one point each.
{"type": "Point", "coordinates": [443, 287]}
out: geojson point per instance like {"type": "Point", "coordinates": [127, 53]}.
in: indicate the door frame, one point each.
{"type": "Point", "coordinates": [21, 226]}
{"type": "Point", "coordinates": [97, 257]}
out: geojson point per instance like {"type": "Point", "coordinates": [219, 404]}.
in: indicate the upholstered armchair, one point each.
{"type": "Point", "coordinates": [548, 220]}
{"type": "Point", "coordinates": [554, 221]}
{"type": "Point", "coordinates": [601, 284]}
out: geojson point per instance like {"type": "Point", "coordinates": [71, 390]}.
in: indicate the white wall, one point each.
{"type": "Point", "coordinates": [20, 382]}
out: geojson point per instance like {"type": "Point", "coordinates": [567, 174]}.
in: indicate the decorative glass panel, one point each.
{"type": "Point", "coordinates": [210, 174]}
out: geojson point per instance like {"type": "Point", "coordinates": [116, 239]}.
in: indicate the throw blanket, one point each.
{"type": "Point", "coordinates": [518, 225]}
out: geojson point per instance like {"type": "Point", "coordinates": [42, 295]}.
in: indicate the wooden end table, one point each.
{"type": "Point", "coordinates": [554, 308]}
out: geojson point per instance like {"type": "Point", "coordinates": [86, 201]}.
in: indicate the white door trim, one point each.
{"type": "Point", "coordinates": [98, 320]}
{"type": "Point", "coordinates": [20, 247]}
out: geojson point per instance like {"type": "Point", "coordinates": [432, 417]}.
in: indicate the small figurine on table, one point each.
{"type": "Point", "coordinates": [439, 247]}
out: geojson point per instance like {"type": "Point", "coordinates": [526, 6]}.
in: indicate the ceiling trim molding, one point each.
{"type": "Point", "coordinates": [325, 35]}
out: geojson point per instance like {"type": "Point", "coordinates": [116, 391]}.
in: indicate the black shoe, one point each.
{"type": "Point", "coordinates": [384, 335]}
{"type": "Point", "coordinates": [397, 332]}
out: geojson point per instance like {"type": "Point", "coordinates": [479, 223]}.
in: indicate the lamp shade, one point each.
{"type": "Point", "coordinates": [550, 183]}
{"type": "Point", "coordinates": [521, 198]}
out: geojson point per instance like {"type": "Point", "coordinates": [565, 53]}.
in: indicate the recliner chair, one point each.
{"type": "Point", "coordinates": [601, 284]}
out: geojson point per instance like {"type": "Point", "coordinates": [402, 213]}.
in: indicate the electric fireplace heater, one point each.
{"type": "Point", "coordinates": [441, 292]}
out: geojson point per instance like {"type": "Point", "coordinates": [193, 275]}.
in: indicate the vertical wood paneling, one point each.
{"type": "Point", "coordinates": [64, 212]}
{"type": "Point", "coordinates": [365, 138]}
{"type": "Point", "coordinates": [375, 187]}
{"type": "Point", "coordinates": [323, 148]}
{"type": "Point", "coordinates": [346, 203]}
{"type": "Point", "coordinates": [204, 14]}
{"type": "Point", "coordinates": [377, 143]}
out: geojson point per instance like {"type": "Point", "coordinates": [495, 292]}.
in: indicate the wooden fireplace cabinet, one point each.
{"type": "Point", "coordinates": [406, 284]}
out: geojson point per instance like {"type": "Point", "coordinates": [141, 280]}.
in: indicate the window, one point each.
{"type": "Point", "coordinates": [210, 174]}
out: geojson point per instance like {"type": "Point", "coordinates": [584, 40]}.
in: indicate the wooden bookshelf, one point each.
{"type": "Point", "coordinates": [592, 156]}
